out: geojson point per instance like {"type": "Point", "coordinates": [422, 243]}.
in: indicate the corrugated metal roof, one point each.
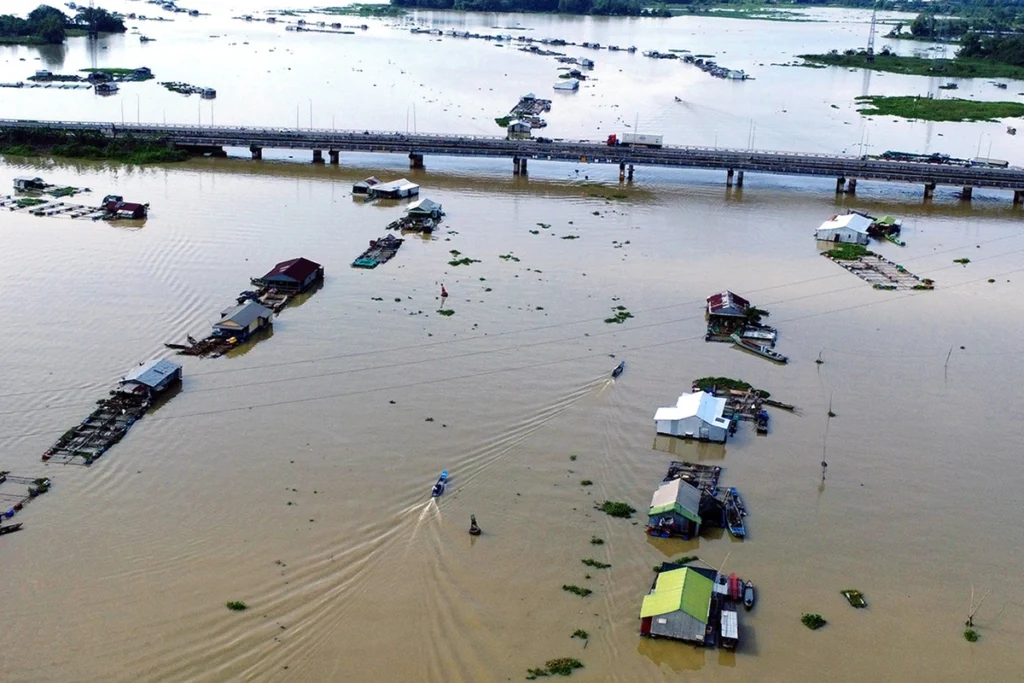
{"type": "Point", "coordinates": [727, 303]}
{"type": "Point", "coordinates": [730, 625]}
{"type": "Point", "coordinates": [243, 315]}
{"type": "Point", "coordinates": [678, 496]}
{"type": "Point", "coordinates": [297, 269]}
{"type": "Point", "coordinates": [395, 186]}
{"type": "Point", "coordinates": [853, 221]}
{"type": "Point", "coordinates": [705, 406]}
{"type": "Point", "coordinates": [424, 205]}
{"type": "Point", "coordinates": [679, 589]}
{"type": "Point", "coordinates": [152, 373]}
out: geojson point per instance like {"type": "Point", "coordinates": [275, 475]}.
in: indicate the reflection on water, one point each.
{"type": "Point", "coordinates": [673, 655]}
{"type": "Point", "coordinates": [690, 450]}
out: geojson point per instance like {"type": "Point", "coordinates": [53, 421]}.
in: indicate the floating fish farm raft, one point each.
{"type": "Point", "coordinates": [17, 491]}
{"type": "Point", "coordinates": [381, 251]}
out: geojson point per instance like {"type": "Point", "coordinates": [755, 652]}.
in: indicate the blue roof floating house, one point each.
{"type": "Point", "coordinates": [151, 377]}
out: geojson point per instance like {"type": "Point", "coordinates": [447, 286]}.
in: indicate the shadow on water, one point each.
{"type": "Point", "coordinates": [300, 299]}
{"type": "Point", "coordinates": [675, 655]}
{"type": "Point", "coordinates": [165, 396]}
{"type": "Point", "coordinates": [674, 547]}
{"type": "Point", "coordinates": [688, 449]}
{"type": "Point", "coordinates": [245, 347]}
{"type": "Point", "coordinates": [748, 641]}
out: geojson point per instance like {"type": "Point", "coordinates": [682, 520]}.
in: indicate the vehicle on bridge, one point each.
{"type": "Point", "coordinates": [635, 140]}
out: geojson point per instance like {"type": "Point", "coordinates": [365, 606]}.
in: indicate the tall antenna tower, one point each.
{"type": "Point", "coordinates": [871, 36]}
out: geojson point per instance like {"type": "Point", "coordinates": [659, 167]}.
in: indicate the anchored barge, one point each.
{"type": "Point", "coordinates": [114, 416]}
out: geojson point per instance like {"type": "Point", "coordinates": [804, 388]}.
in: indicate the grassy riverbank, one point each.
{"type": "Point", "coordinates": [930, 109]}
{"type": "Point", "coordinates": [920, 66]}
{"type": "Point", "coordinates": [126, 151]}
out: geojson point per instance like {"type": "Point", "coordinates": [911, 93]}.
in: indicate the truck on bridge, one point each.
{"type": "Point", "coordinates": [635, 140]}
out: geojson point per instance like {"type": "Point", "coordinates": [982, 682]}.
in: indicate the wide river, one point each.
{"type": "Point", "coordinates": [296, 476]}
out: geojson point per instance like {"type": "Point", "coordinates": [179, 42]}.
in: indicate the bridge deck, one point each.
{"type": "Point", "coordinates": [758, 161]}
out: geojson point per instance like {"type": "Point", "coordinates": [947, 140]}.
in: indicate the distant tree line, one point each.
{"type": "Point", "coordinates": [48, 25]}
{"type": "Point", "coordinates": [1006, 49]}
{"type": "Point", "coordinates": [631, 8]}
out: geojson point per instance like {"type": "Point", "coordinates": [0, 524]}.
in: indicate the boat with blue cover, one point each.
{"type": "Point", "coordinates": [439, 487]}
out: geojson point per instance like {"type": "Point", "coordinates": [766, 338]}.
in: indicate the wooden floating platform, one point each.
{"type": "Point", "coordinates": [102, 429]}
{"type": "Point", "coordinates": [54, 208]}
{"type": "Point", "coordinates": [18, 491]}
{"type": "Point", "coordinates": [882, 273]}
{"type": "Point", "coordinates": [381, 251]}
{"type": "Point", "coordinates": [699, 476]}
{"type": "Point", "coordinates": [414, 224]}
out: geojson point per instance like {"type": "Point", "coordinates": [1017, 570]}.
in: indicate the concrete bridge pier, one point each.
{"type": "Point", "coordinates": [739, 179]}
{"type": "Point", "coordinates": [629, 173]}
{"type": "Point", "coordinates": [840, 185]}
{"type": "Point", "coordinates": [851, 186]}
{"type": "Point", "coordinates": [218, 152]}
{"type": "Point", "coordinates": [318, 156]}
{"type": "Point", "coordinates": [515, 165]}
{"type": "Point", "coordinates": [415, 160]}
{"type": "Point", "coordinates": [929, 190]}
{"type": "Point", "coordinates": [522, 166]}
{"type": "Point", "coordinates": [728, 178]}
{"type": "Point", "coordinates": [965, 193]}
{"type": "Point", "coordinates": [333, 154]}
{"type": "Point", "coordinates": [257, 152]}
{"type": "Point", "coordinates": [1018, 197]}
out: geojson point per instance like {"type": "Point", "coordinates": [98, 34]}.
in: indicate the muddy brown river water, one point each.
{"type": "Point", "coordinates": [295, 476]}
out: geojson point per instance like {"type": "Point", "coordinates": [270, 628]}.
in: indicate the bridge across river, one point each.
{"type": "Point", "coordinates": [846, 169]}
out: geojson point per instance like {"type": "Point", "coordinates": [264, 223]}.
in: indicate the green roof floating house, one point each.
{"type": "Point", "coordinates": [675, 510]}
{"type": "Point", "coordinates": [678, 607]}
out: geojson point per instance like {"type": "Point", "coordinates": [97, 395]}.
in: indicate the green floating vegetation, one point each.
{"type": "Point", "coordinates": [544, 226]}
{"type": "Point", "coordinates": [971, 636]}
{"type": "Point", "coordinates": [576, 590]}
{"type": "Point", "coordinates": [854, 597]}
{"type": "Point", "coordinates": [931, 109]}
{"type": "Point", "coordinates": [616, 509]}
{"type": "Point", "coordinates": [65, 192]}
{"type": "Point", "coordinates": [237, 606]}
{"type": "Point", "coordinates": [110, 71]}
{"type": "Point", "coordinates": [962, 261]}
{"type": "Point", "coordinates": [596, 564]}
{"type": "Point", "coordinates": [685, 558]}
{"type": "Point", "coordinates": [596, 540]}
{"type": "Point", "coordinates": [570, 237]}
{"type": "Point", "coordinates": [813, 621]}
{"type": "Point", "coordinates": [620, 315]}
{"type": "Point", "coordinates": [580, 633]}
{"type": "Point", "coordinates": [446, 312]}
{"type": "Point", "coordinates": [706, 383]}
{"type": "Point", "coordinates": [509, 257]}
{"type": "Point", "coordinates": [465, 261]}
{"type": "Point", "coordinates": [503, 121]}
{"type": "Point", "coordinates": [563, 666]}
{"type": "Point", "coordinates": [919, 66]}
{"type": "Point", "coordinates": [26, 202]}
{"type": "Point", "coordinates": [360, 10]}
{"type": "Point", "coordinates": [586, 482]}
{"type": "Point", "coordinates": [572, 458]}
{"type": "Point", "coordinates": [848, 252]}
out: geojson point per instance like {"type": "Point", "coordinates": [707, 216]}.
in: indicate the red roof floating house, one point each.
{"type": "Point", "coordinates": [116, 208]}
{"type": "Point", "coordinates": [727, 305]}
{"type": "Point", "coordinates": [295, 275]}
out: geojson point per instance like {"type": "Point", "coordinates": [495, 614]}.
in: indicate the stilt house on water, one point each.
{"type": "Point", "coordinates": [424, 208]}
{"type": "Point", "coordinates": [727, 307]}
{"type": "Point", "coordinates": [396, 189]}
{"type": "Point", "coordinates": [150, 378]}
{"type": "Point", "coordinates": [696, 415]}
{"type": "Point", "coordinates": [292, 276]}
{"type": "Point", "coordinates": [675, 510]}
{"type": "Point", "coordinates": [363, 186]}
{"type": "Point", "coordinates": [678, 606]}
{"type": "Point", "coordinates": [242, 320]}
{"type": "Point", "coordinates": [851, 228]}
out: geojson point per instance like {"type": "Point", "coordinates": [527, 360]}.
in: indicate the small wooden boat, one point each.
{"type": "Point", "coordinates": [759, 349]}
{"type": "Point", "coordinates": [762, 422]}
{"type": "Point", "coordinates": [618, 369]}
{"type": "Point", "coordinates": [748, 595]}
{"type": "Point", "coordinates": [734, 518]}
{"type": "Point", "coordinates": [442, 481]}
{"type": "Point", "coordinates": [10, 528]}
{"type": "Point", "coordinates": [735, 495]}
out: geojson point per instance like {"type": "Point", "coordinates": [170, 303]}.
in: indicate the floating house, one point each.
{"type": "Point", "coordinates": [587, 63]}
{"type": "Point", "coordinates": [116, 208]}
{"type": "Point", "coordinates": [24, 184]}
{"type": "Point", "coordinates": [675, 510]}
{"type": "Point", "coordinates": [730, 629]}
{"type": "Point", "coordinates": [728, 306]}
{"type": "Point", "coordinates": [519, 130]}
{"type": "Point", "coordinates": [851, 228]}
{"type": "Point", "coordinates": [142, 72]}
{"type": "Point", "coordinates": [396, 189]}
{"type": "Point", "coordinates": [569, 84]}
{"type": "Point", "coordinates": [678, 606]}
{"type": "Point", "coordinates": [363, 186]}
{"type": "Point", "coordinates": [242, 320]}
{"type": "Point", "coordinates": [295, 275]}
{"type": "Point", "coordinates": [150, 378]}
{"type": "Point", "coordinates": [696, 415]}
{"type": "Point", "coordinates": [208, 94]}
{"type": "Point", "coordinates": [105, 88]}
{"type": "Point", "coordinates": [424, 208]}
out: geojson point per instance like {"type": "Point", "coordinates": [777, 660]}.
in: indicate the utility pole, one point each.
{"type": "Point", "coordinates": [871, 36]}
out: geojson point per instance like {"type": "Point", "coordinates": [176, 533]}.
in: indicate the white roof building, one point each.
{"type": "Point", "coordinates": [697, 415]}
{"type": "Point", "coordinates": [850, 228]}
